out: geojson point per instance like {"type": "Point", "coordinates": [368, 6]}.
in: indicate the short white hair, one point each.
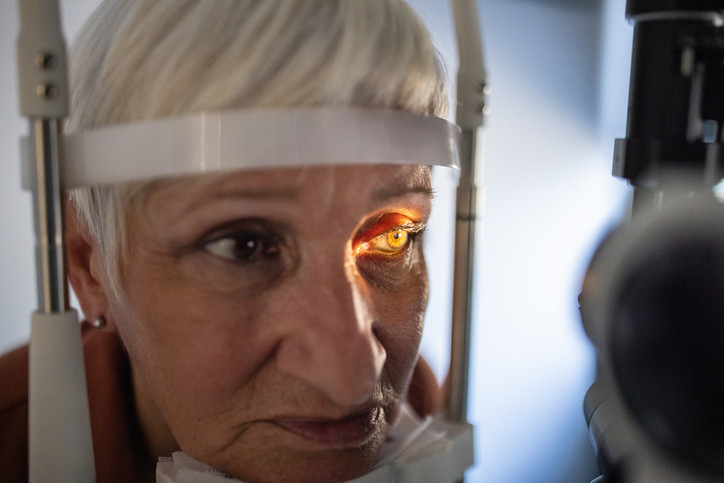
{"type": "Point", "coordinates": [143, 59]}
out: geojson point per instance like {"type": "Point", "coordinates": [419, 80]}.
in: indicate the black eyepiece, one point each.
{"type": "Point", "coordinates": [638, 7]}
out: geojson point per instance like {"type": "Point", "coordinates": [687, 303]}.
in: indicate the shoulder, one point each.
{"type": "Point", "coordinates": [14, 379]}
{"type": "Point", "coordinates": [108, 378]}
{"type": "Point", "coordinates": [424, 393]}
{"type": "Point", "coordinates": [14, 414]}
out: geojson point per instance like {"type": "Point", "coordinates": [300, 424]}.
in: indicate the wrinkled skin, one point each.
{"type": "Point", "coordinates": [272, 318]}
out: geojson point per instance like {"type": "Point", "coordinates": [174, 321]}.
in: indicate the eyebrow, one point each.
{"type": "Point", "coordinates": [286, 194]}
{"type": "Point", "coordinates": [396, 191]}
{"type": "Point", "coordinates": [280, 193]}
{"type": "Point", "coordinates": [383, 194]}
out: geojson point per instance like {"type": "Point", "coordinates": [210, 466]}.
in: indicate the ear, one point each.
{"type": "Point", "coordinates": [85, 266]}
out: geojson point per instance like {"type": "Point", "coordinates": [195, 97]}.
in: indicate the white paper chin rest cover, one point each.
{"type": "Point", "coordinates": [213, 141]}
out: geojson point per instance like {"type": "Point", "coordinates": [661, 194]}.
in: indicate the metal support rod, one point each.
{"type": "Point", "coordinates": [48, 212]}
{"type": "Point", "coordinates": [466, 214]}
{"type": "Point", "coordinates": [59, 433]}
{"type": "Point", "coordinates": [472, 91]}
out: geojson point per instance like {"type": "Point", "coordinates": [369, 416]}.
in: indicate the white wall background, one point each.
{"type": "Point", "coordinates": [559, 76]}
{"type": "Point", "coordinates": [17, 272]}
{"type": "Point", "coordinates": [559, 73]}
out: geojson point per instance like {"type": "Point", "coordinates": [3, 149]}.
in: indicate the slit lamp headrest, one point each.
{"type": "Point", "coordinates": [213, 141]}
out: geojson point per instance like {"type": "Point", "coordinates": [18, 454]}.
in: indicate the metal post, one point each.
{"type": "Point", "coordinates": [59, 432]}
{"type": "Point", "coordinates": [48, 212]}
{"type": "Point", "coordinates": [472, 90]}
{"type": "Point", "coordinates": [466, 215]}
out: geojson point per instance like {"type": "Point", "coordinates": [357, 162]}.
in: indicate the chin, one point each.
{"type": "Point", "coordinates": [284, 456]}
{"type": "Point", "coordinates": [332, 466]}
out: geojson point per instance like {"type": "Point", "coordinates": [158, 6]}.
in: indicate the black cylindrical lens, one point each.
{"type": "Point", "coordinates": [637, 7]}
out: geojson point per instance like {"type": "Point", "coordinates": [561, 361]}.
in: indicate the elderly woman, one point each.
{"type": "Point", "coordinates": [265, 321]}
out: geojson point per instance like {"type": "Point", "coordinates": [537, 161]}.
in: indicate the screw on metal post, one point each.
{"type": "Point", "coordinates": [484, 89]}
{"type": "Point", "coordinates": [46, 60]}
{"type": "Point", "coordinates": [49, 91]}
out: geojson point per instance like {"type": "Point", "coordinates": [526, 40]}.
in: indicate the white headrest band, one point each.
{"type": "Point", "coordinates": [253, 139]}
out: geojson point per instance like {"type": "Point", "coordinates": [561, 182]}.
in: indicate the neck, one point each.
{"type": "Point", "coordinates": [159, 441]}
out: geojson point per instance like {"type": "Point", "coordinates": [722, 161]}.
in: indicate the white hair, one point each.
{"type": "Point", "coordinates": [144, 59]}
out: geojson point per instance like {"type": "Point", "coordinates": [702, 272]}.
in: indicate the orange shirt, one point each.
{"type": "Point", "coordinates": [113, 421]}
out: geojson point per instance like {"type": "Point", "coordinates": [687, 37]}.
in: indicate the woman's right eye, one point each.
{"type": "Point", "coordinates": [245, 254]}
{"type": "Point", "coordinates": [245, 246]}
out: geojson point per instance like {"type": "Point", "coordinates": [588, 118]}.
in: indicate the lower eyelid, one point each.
{"type": "Point", "coordinates": [391, 272]}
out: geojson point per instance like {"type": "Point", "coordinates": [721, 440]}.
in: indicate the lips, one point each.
{"type": "Point", "coordinates": [353, 430]}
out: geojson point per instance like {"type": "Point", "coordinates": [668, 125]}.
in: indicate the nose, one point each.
{"type": "Point", "coordinates": [331, 344]}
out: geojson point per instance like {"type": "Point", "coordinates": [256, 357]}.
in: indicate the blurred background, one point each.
{"type": "Point", "coordinates": [559, 71]}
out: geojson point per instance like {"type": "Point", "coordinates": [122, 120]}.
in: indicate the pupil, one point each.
{"type": "Point", "coordinates": [247, 248]}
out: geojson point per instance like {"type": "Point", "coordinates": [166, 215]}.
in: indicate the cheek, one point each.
{"type": "Point", "coordinates": [173, 318]}
{"type": "Point", "coordinates": [399, 317]}
{"type": "Point", "coordinates": [200, 360]}
{"type": "Point", "coordinates": [176, 333]}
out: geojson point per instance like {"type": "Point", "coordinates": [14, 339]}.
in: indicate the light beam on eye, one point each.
{"type": "Point", "coordinates": [396, 238]}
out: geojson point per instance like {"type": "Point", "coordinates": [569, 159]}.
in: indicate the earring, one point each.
{"type": "Point", "coordinates": [99, 322]}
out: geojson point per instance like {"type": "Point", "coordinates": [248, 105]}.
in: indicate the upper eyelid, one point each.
{"type": "Point", "coordinates": [412, 229]}
{"type": "Point", "coordinates": [247, 226]}
{"type": "Point", "coordinates": [376, 226]}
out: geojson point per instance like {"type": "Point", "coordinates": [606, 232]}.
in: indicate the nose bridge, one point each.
{"type": "Point", "coordinates": [333, 300]}
{"type": "Point", "coordinates": [331, 344]}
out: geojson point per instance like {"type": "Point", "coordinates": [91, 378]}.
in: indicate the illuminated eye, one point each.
{"type": "Point", "coordinates": [396, 239]}
{"type": "Point", "coordinates": [387, 235]}
{"type": "Point", "coordinates": [391, 242]}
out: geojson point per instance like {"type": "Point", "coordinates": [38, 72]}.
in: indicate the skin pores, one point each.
{"type": "Point", "coordinates": [273, 318]}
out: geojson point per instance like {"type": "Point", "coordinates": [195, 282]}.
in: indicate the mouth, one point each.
{"type": "Point", "coordinates": [353, 430]}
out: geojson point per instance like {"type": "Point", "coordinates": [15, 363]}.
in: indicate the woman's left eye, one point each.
{"type": "Point", "coordinates": [387, 236]}
{"type": "Point", "coordinates": [385, 251]}
{"type": "Point", "coordinates": [393, 241]}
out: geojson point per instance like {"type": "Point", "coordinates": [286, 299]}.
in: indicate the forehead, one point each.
{"type": "Point", "coordinates": [353, 183]}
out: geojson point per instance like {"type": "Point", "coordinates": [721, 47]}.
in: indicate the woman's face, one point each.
{"type": "Point", "coordinates": [273, 318]}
